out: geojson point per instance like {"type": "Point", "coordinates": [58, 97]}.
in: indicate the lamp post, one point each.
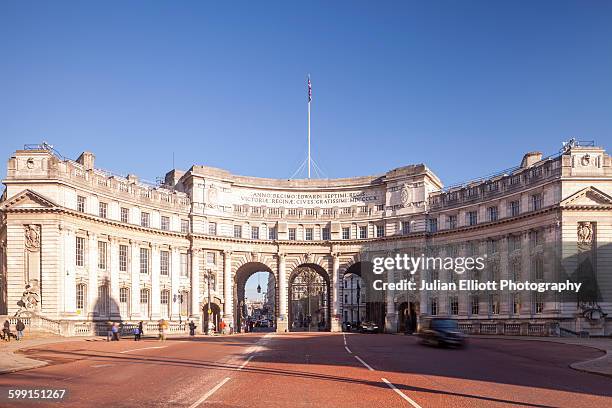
{"type": "Point", "coordinates": [178, 297]}
{"type": "Point", "coordinates": [209, 273]}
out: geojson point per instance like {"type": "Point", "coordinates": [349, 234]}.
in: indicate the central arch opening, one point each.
{"type": "Point", "coordinates": [256, 298]}
{"type": "Point", "coordinates": [360, 303]}
{"type": "Point", "coordinates": [309, 299]}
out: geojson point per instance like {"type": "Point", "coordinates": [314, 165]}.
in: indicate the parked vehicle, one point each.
{"type": "Point", "coordinates": [441, 332]}
{"type": "Point", "coordinates": [369, 327]}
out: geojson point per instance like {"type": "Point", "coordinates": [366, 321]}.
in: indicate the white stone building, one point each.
{"type": "Point", "coordinates": [94, 246]}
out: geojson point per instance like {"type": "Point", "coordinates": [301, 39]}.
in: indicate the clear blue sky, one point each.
{"type": "Point", "coordinates": [464, 86]}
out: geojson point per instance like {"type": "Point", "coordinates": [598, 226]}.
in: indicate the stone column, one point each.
{"type": "Point", "coordinates": [336, 325]}
{"type": "Point", "coordinates": [228, 293]}
{"type": "Point", "coordinates": [69, 271]}
{"type": "Point", "coordinates": [155, 288]}
{"type": "Point", "coordinates": [135, 269]}
{"type": "Point", "coordinates": [282, 324]}
{"type": "Point", "coordinates": [195, 284]}
{"type": "Point", "coordinates": [92, 269]}
{"type": "Point", "coordinates": [114, 280]}
{"type": "Point", "coordinates": [175, 271]}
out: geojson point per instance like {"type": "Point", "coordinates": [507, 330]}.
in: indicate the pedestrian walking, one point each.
{"type": "Point", "coordinates": [136, 333]}
{"type": "Point", "coordinates": [192, 328]}
{"type": "Point", "coordinates": [115, 331]}
{"type": "Point", "coordinates": [20, 328]}
{"type": "Point", "coordinates": [6, 330]}
{"type": "Point", "coordinates": [222, 326]}
{"type": "Point", "coordinates": [163, 326]}
{"type": "Point", "coordinates": [140, 329]}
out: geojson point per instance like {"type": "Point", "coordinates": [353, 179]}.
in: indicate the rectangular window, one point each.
{"type": "Point", "coordinates": [538, 269]}
{"type": "Point", "coordinates": [124, 302]}
{"type": "Point", "coordinates": [492, 213]}
{"type": "Point", "coordinates": [102, 255]}
{"type": "Point", "coordinates": [80, 251]}
{"type": "Point", "coordinates": [514, 243]}
{"type": "Point", "coordinates": [103, 300]}
{"type": "Point", "coordinates": [454, 305]}
{"type": "Point", "coordinates": [514, 208]}
{"type": "Point", "coordinates": [144, 303]}
{"type": "Point", "coordinates": [254, 232]}
{"type": "Point", "coordinates": [184, 266]}
{"type": "Point", "coordinates": [164, 263]}
{"type": "Point", "coordinates": [363, 232]}
{"type": "Point", "coordinates": [452, 221]}
{"type": "Point", "coordinates": [103, 210]}
{"type": "Point", "coordinates": [165, 223]}
{"type": "Point", "coordinates": [405, 227]}
{"type": "Point", "coordinates": [516, 303]}
{"type": "Point", "coordinates": [185, 226]}
{"type": "Point", "coordinates": [380, 231]}
{"type": "Point", "coordinates": [494, 304]}
{"type": "Point", "coordinates": [164, 299]}
{"type": "Point", "coordinates": [535, 238]}
{"type": "Point", "coordinates": [433, 306]}
{"type": "Point", "coordinates": [237, 231]}
{"type": "Point", "coordinates": [145, 219]}
{"type": "Point", "coordinates": [380, 207]}
{"type": "Point", "coordinates": [212, 228]}
{"type": "Point", "coordinates": [81, 204]}
{"type": "Point", "coordinates": [492, 246]}
{"type": "Point", "coordinates": [538, 304]}
{"type": "Point", "coordinates": [272, 233]}
{"type": "Point", "coordinates": [80, 296]}
{"type": "Point", "coordinates": [346, 233]}
{"type": "Point", "coordinates": [432, 225]}
{"type": "Point", "coordinates": [144, 260]}
{"type": "Point", "coordinates": [125, 215]}
{"type": "Point", "coordinates": [326, 234]}
{"type": "Point", "coordinates": [123, 257]}
{"type": "Point", "coordinates": [471, 218]}
{"type": "Point", "coordinates": [291, 234]}
{"type": "Point", "coordinates": [210, 258]}
{"type": "Point", "coordinates": [475, 305]}
{"type": "Point", "coordinates": [536, 202]}
{"type": "Point", "coordinates": [309, 233]}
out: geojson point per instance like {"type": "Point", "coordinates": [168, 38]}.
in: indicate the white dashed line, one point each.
{"type": "Point", "coordinates": [209, 393]}
{"type": "Point", "coordinates": [245, 363]}
{"type": "Point", "coordinates": [364, 363]}
{"type": "Point", "coordinates": [348, 350]}
{"type": "Point", "coordinates": [401, 394]}
{"type": "Point", "coordinates": [143, 348]}
{"type": "Point", "coordinates": [344, 338]}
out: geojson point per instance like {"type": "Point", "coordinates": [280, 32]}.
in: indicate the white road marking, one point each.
{"type": "Point", "coordinates": [245, 363]}
{"type": "Point", "coordinates": [344, 338]}
{"type": "Point", "coordinates": [401, 394]}
{"type": "Point", "coordinates": [143, 348]}
{"type": "Point", "coordinates": [209, 393]}
{"type": "Point", "coordinates": [364, 363]}
{"type": "Point", "coordinates": [101, 365]}
{"type": "Point", "coordinates": [347, 349]}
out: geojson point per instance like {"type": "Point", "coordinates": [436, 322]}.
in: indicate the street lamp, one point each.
{"type": "Point", "coordinates": [178, 297]}
{"type": "Point", "coordinates": [209, 275]}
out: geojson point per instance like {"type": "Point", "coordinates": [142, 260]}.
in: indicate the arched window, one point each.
{"type": "Point", "coordinates": [81, 295]}
{"type": "Point", "coordinates": [124, 302]}
{"type": "Point", "coordinates": [144, 304]}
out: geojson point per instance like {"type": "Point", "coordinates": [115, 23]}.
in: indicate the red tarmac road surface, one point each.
{"type": "Point", "coordinates": [313, 370]}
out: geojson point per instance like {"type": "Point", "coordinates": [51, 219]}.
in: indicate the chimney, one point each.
{"type": "Point", "coordinates": [87, 159]}
{"type": "Point", "coordinates": [531, 158]}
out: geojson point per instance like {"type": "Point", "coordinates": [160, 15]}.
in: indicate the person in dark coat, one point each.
{"type": "Point", "coordinates": [6, 330]}
{"type": "Point", "coordinates": [20, 328]}
{"type": "Point", "coordinates": [192, 328]}
{"type": "Point", "coordinates": [140, 330]}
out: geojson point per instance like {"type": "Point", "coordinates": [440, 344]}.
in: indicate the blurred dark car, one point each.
{"type": "Point", "coordinates": [347, 326]}
{"type": "Point", "coordinates": [441, 332]}
{"type": "Point", "coordinates": [369, 327]}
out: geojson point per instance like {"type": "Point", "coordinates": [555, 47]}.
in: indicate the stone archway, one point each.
{"type": "Point", "coordinates": [213, 316]}
{"type": "Point", "coordinates": [375, 303]}
{"type": "Point", "coordinates": [241, 277]}
{"type": "Point", "coordinates": [309, 298]}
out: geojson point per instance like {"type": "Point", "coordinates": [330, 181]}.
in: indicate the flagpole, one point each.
{"type": "Point", "coordinates": [308, 139]}
{"type": "Point", "coordinates": [309, 99]}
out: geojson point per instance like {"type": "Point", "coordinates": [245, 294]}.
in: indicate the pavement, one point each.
{"type": "Point", "coordinates": [313, 370]}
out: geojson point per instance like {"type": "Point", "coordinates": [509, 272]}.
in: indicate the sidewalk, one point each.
{"type": "Point", "coordinates": [601, 365]}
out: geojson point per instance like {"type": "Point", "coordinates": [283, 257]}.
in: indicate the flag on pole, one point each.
{"type": "Point", "coordinates": [309, 90]}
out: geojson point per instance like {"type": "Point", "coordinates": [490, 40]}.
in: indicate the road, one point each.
{"type": "Point", "coordinates": [313, 370]}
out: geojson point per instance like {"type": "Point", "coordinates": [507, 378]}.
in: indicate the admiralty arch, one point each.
{"type": "Point", "coordinates": [81, 246]}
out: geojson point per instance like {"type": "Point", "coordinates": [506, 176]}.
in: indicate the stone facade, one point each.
{"type": "Point", "coordinates": [94, 246]}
